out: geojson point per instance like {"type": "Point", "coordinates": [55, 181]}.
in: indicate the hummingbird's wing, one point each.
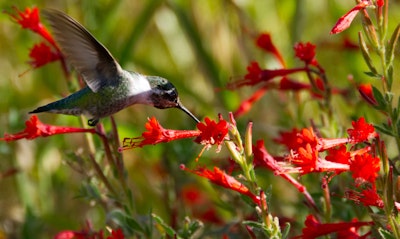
{"type": "Point", "coordinates": [88, 56]}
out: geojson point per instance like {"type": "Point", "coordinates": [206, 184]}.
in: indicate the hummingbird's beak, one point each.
{"type": "Point", "coordinates": [183, 108]}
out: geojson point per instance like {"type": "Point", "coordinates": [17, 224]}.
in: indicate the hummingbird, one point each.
{"type": "Point", "coordinates": [109, 88]}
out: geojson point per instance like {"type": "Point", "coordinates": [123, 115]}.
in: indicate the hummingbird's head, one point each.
{"type": "Point", "coordinates": [164, 95]}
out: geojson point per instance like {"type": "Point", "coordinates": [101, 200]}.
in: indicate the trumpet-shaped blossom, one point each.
{"type": "Point", "coordinates": [315, 229]}
{"type": "Point", "coordinates": [367, 94]}
{"type": "Point", "coordinates": [29, 19]}
{"type": "Point", "coordinates": [368, 197]}
{"type": "Point", "coordinates": [219, 177]}
{"type": "Point", "coordinates": [246, 105]}
{"type": "Point", "coordinates": [41, 54]}
{"type": "Point", "coordinates": [365, 168]}
{"type": "Point", "coordinates": [305, 52]}
{"type": "Point", "coordinates": [212, 133]}
{"type": "Point", "coordinates": [264, 42]}
{"type": "Point", "coordinates": [361, 131]}
{"type": "Point", "coordinates": [156, 134]}
{"type": "Point", "coordinates": [208, 133]}
{"type": "Point", "coordinates": [34, 128]}
{"type": "Point", "coordinates": [256, 75]}
{"type": "Point", "coordinates": [88, 234]}
{"type": "Point", "coordinates": [344, 22]}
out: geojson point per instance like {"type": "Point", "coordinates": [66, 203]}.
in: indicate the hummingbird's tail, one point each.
{"type": "Point", "coordinates": [57, 107]}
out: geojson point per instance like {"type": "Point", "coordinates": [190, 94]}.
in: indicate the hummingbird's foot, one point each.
{"type": "Point", "coordinates": [93, 122]}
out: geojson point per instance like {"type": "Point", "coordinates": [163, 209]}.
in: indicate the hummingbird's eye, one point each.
{"type": "Point", "coordinates": [172, 95]}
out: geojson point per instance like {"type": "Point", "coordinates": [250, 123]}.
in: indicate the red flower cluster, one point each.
{"type": "Point", "coordinates": [258, 76]}
{"type": "Point", "coordinates": [219, 177]}
{"type": "Point", "coordinates": [305, 52]}
{"type": "Point", "coordinates": [40, 54]}
{"type": "Point", "coordinates": [361, 131]}
{"type": "Point", "coordinates": [367, 94]}
{"type": "Point", "coordinates": [264, 42]}
{"type": "Point", "coordinates": [304, 147]}
{"type": "Point", "coordinates": [87, 234]}
{"type": "Point", "coordinates": [35, 128]}
{"type": "Point", "coordinates": [316, 229]}
{"type": "Point", "coordinates": [212, 133]}
{"type": "Point", "coordinates": [208, 133]}
{"type": "Point", "coordinates": [344, 22]}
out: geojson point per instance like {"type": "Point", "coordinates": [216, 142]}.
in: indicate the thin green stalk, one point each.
{"type": "Point", "coordinates": [101, 175]}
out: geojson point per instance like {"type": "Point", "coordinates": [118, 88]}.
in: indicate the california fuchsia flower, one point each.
{"type": "Point", "coordinates": [29, 19]}
{"type": "Point", "coordinates": [219, 177]}
{"type": "Point", "coordinates": [212, 133]}
{"type": "Point", "coordinates": [361, 131]}
{"type": "Point", "coordinates": [305, 52]}
{"type": "Point", "coordinates": [368, 197]}
{"type": "Point", "coordinates": [365, 168]}
{"type": "Point", "coordinates": [156, 134]}
{"type": "Point", "coordinates": [257, 75]}
{"type": "Point", "coordinates": [42, 54]}
{"type": "Point", "coordinates": [247, 104]}
{"type": "Point", "coordinates": [88, 234]}
{"type": "Point", "coordinates": [35, 128]}
{"type": "Point", "coordinates": [263, 159]}
{"type": "Point", "coordinates": [316, 229]}
{"type": "Point", "coordinates": [339, 155]}
{"type": "Point", "coordinates": [367, 93]}
{"type": "Point", "coordinates": [264, 41]}
{"type": "Point", "coordinates": [344, 22]}
{"type": "Point", "coordinates": [208, 133]}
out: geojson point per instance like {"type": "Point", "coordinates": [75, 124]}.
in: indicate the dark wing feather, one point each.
{"type": "Point", "coordinates": [88, 56]}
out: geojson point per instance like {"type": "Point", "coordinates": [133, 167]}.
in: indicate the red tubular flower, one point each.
{"type": "Point", "coordinates": [361, 131]}
{"type": "Point", "coordinates": [264, 41]}
{"type": "Point", "coordinates": [41, 54]}
{"type": "Point", "coordinates": [35, 128]}
{"type": "Point", "coordinates": [298, 138]}
{"type": "Point", "coordinates": [368, 197]}
{"type": "Point", "coordinates": [263, 159]}
{"type": "Point", "coordinates": [339, 155]}
{"type": "Point", "coordinates": [306, 159]}
{"type": "Point", "coordinates": [116, 234]}
{"type": "Point", "coordinates": [29, 19]}
{"type": "Point", "coordinates": [246, 105]}
{"type": "Point", "coordinates": [212, 133]}
{"type": "Point", "coordinates": [367, 93]}
{"type": "Point", "coordinates": [344, 22]}
{"type": "Point", "coordinates": [156, 134]}
{"type": "Point", "coordinates": [257, 75]}
{"type": "Point", "coordinates": [220, 178]}
{"type": "Point", "coordinates": [365, 168]}
{"type": "Point", "coordinates": [316, 229]}
{"type": "Point", "coordinates": [305, 52]}
{"type": "Point", "coordinates": [288, 84]}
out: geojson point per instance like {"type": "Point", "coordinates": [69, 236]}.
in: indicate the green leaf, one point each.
{"type": "Point", "coordinates": [380, 99]}
{"type": "Point", "coordinates": [126, 222]}
{"type": "Point", "coordinates": [390, 76]}
{"type": "Point", "coordinates": [365, 53]}
{"type": "Point", "coordinates": [256, 225]}
{"type": "Point", "coordinates": [384, 129]}
{"type": "Point", "coordinates": [190, 228]}
{"type": "Point", "coordinates": [286, 230]}
{"type": "Point", "coordinates": [385, 234]}
{"type": "Point", "coordinates": [374, 75]}
{"type": "Point", "coordinates": [169, 230]}
{"type": "Point", "coordinates": [89, 192]}
{"type": "Point", "coordinates": [392, 45]}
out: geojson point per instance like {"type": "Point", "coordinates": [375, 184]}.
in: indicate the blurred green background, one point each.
{"type": "Point", "coordinates": [199, 46]}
